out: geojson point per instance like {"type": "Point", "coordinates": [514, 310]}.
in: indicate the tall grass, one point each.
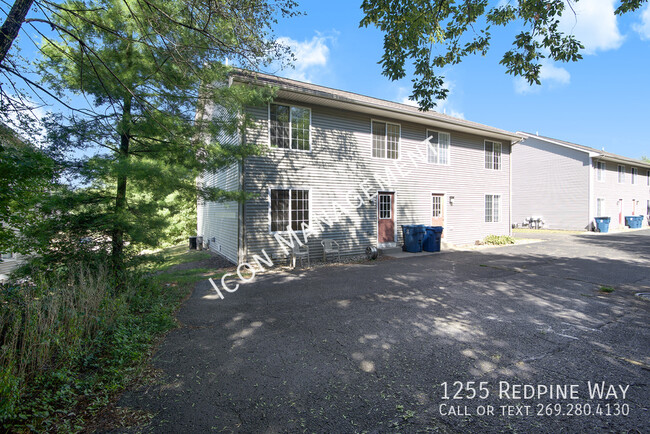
{"type": "Point", "coordinates": [69, 339]}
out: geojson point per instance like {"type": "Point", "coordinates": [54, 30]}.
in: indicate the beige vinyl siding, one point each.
{"type": "Point", "coordinates": [218, 222]}
{"type": "Point", "coordinates": [340, 161]}
{"type": "Point", "coordinates": [8, 265]}
{"type": "Point", "coordinates": [552, 182]}
{"type": "Point", "coordinates": [611, 190]}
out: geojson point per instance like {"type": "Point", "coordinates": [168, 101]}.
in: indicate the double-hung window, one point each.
{"type": "Point", "coordinates": [492, 155]}
{"type": "Point", "coordinates": [289, 208]}
{"type": "Point", "coordinates": [621, 174]}
{"type": "Point", "coordinates": [438, 147]}
{"type": "Point", "coordinates": [492, 208]}
{"type": "Point", "coordinates": [600, 170]}
{"type": "Point", "coordinates": [289, 127]}
{"type": "Point", "coordinates": [385, 140]}
{"type": "Point", "coordinates": [633, 174]}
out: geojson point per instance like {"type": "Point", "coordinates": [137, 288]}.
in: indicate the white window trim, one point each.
{"type": "Point", "coordinates": [399, 140]}
{"type": "Point", "coordinates": [602, 171]}
{"type": "Point", "coordinates": [378, 192]}
{"type": "Point", "coordinates": [602, 208]}
{"type": "Point", "coordinates": [268, 200]}
{"type": "Point", "coordinates": [618, 174]}
{"type": "Point", "coordinates": [448, 149]}
{"type": "Point", "coordinates": [634, 174]}
{"type": "Point", "coordinates": [485, 150]}
{"type": "Point", "coordinates": [268, 131]}
{"type": "Point", "coordinates": [500, 207]}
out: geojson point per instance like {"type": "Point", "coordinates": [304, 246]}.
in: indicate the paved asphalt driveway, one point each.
{"type": "Point", "coordinates": [366, 347]}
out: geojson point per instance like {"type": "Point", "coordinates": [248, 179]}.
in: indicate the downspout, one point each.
{"type": "Point", "coordinates": [512, 144]}
{"type": "Point", "coordinates": [591, 192]}
{"type": "Point", "coordinates": [510, 191]}
{"type": "Point", "coordinates": [593, 158]}
{"type": "Point", "coordinates": [241, 237]}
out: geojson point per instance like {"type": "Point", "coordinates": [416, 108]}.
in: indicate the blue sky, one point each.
{"type": "Point", "coordinates": [600, 101]}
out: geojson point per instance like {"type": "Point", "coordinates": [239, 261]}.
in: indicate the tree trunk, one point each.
{"type": "Point", "coordinates": [120, 195]}
{"type": "Point", "coordinates": [12, 25]}
{"type": "Point", "coordinates": [124, 129]}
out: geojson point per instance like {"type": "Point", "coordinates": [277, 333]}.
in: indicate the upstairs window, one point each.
{"type": "Point", "coordinates": [492, 208]}
{"type": "Point", "coordinates": [634, 174]}
{"type": "Point", "coordinates": [289, 208]}
{"type": "Point", "coordinates": [438, 147]}
{"type": "Point", "coordinates": [289, 127]}
{"type": "Point", "coordinates": [600, 170]}
{"type": "Point", "coordinates": [492, 155]}
{"type": "Point", "coordinates": [385, 140]}
{"type": "Point", "coordinates": [621, 174]}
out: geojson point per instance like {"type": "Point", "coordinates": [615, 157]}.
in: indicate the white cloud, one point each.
{"type": "Point", "coordinates": [594, 24]}
{"type": "Point", "coordinates": [643, 28]}
{"type": "Point", "coordinates": [549, 75]}
{"type": "Point", "coordinates": [310, 56]}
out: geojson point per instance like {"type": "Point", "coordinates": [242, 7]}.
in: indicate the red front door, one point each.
{"type": "Point", "coordinates": [386, 217]}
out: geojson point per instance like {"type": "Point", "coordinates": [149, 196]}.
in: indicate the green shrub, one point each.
{"type": "Point", "coordinates": [73, 340]}
{"type": "Point", "coordinates": [498, 240]}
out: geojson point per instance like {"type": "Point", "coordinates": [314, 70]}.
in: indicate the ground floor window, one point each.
{"type": "Point", "coordinates": [492, 208]}
{"type": "Point", "coordinates": [600, 207]}
{"type": "Point", "coordinates": [289, 207]}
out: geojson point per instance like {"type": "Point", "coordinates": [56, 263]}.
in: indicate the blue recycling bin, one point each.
{"type": "Point", "coordinates": [602, 223]}
{"type": "Point", "coordinates": [432, 240]}
{"type": "Point", "coordinates": [413, 237]}
{"type": "Point", "coordinates": [634, 221]}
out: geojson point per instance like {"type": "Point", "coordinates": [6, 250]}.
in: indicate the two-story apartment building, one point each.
{"type": "Point", "coordinates": [353, 168]}
{"type": "Point", "coordinates": [568, 185]}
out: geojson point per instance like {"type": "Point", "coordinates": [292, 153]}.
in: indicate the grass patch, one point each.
{"type": "Point", "coordinates": [498, 240]}
{"type": "Point", "coordinates": [68, 345]}
{"type": "Point", "coordinates": [606, 289]}
{"type": "Point", "coordinates": [185, 277]}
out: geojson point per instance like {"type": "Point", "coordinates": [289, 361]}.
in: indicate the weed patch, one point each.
{"type": "Point", "coordinates": [67, 345]}
{"type": "Point", "coordinates": [498, 240]}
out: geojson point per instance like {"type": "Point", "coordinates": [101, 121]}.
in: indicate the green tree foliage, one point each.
{"type": "Point", "coordinates": [149, 69]}
{"type": "Point", "coordinates": [434, 34]}
{"type": "Point", "coordinates": [26, 174]}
